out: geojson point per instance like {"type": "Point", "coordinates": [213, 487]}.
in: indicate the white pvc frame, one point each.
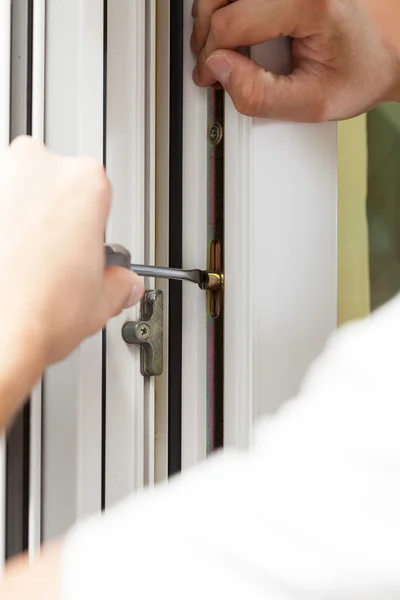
{"type": "Point", "coordinates": [5, 85]}
{"type": "Point", "coordinates": [281, 250]}
{"type": "Point", "coordinates": [286, 307]}
{"type": "Point", "coordinates": [73, 389]}
{"type": "Point", "coordinates": [194, 191]}
{"type": "Point", "coordinates": [130, 156]}
{"type": "Point", "coordinates": [239, 277]}
{"type": "Point", "coordinates": [74, 125]}
{"type": "Point", "coordinates": [280, 292]}
{"type": "Point", "coordinates": [162, 212]}
{"type": "Point", "coordinates": [280, 257]}
{"type": "Point", "coordinates": [238, 134]}
{"type": "Point", "coordinates": [35, 454]}
{"type": "Point", "coordinates": [150, 222]}
{"type": "Point", "coordinates": [294, 254]}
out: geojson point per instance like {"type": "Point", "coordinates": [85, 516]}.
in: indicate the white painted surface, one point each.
{"type": "Point", "coordinates": [162, 233]}
{"type": "Point", "coordinates": [35, 453]}
{"type": "Point", "coordinates": [38, 68]}
{"type": "Point", "coordinates": [295, 247]}
{"type": "Point", "coordinates": [194, 372]}
{"type": "Point", "coordinates": [127, 392]}
{"type": "Point", "coordinates": [239, 277]}
{"type": "Point", "coordinates": [280, 257]}
{"type": "Point", "coordinates": [150, 218]}
{"type": "Point", "coordinates": [5, 63]}
{"type": "Point", "coordinates": [73, 389]}
{"type": "Point", "coordinates": [72, 450]}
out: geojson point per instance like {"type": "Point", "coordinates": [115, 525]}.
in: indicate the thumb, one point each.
{"type": "Point", "coordinates": [259, 93]}
{"type": "Point", "coordinates": [122, 289]}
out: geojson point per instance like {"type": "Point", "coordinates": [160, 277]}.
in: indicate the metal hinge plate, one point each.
{"type": "Point", "coordinates": [148, 333]}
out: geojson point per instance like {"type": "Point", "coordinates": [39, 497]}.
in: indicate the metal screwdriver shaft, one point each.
{"type": "Point", "coordinates": [118, 256]}
{"type": "Point", "coordinates": [194, 275]}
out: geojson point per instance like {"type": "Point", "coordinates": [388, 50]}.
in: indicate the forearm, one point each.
{"type": "Point", "coordinates": [36, 582]}
{"type": "Point", "coordinates": [20, 367]}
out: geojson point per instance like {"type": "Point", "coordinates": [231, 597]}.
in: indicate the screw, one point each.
{"type": "Point", "coordinates": [143, 331]}
{"type": "Point", "coordinates": [216, 133]}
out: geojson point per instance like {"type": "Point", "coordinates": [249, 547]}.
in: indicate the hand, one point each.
{"type": "Point", "coordinates": [54, 289]}
{"type": "Point", "coordinates": [386, 14]}
{"type": "Point", "coordinates": [340, 66]}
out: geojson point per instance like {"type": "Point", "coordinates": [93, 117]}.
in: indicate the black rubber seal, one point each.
{"type": "Point", "coordinates": [175, 239]}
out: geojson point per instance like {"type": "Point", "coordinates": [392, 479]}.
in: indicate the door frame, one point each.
{"type": "Point", "coordinates": [294, 237]}
{"type": "Point", "coordinates": [98, 409]}
{"type": "Point", "coordinates": [280, 290]}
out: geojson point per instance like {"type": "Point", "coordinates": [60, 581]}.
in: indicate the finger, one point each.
{"type": "Point", "coordinates": [242, 23]}
{"type": "Point", "coordinates": [259, 93]}
{"type": "Point", "coordinates": [203, 10]}
{"type": "Point", "coordinates": [249, 23]}
{"type": "Point", "coordinates": [122, 289]}
{"type": "Point", "coordinates": [25, 143]}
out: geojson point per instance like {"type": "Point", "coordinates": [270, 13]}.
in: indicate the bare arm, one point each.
{"type": "Point", "coordinates": [20, 367]}
{"type": "Point", "coordinates": [53, 214]}
{"type": "Point", "coordinates": [38, 581]}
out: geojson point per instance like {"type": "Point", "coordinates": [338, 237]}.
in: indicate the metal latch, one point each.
{"type": "Point", "coordinates": [148, 333]}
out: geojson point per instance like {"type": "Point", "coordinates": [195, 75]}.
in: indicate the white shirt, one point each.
{"type": "Point", "coordinates": [312, 512]}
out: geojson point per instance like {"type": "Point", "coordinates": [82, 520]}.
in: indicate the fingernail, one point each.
{"type": "Point", "coordinates": [220, 68]}
{"type": "Point", "coordinates": [193, 45]}
{"type": "Point", "coordinates": [195, 75]}
{"type": "Point", "coordinates": [136, 295]}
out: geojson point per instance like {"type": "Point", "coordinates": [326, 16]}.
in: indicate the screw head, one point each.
{"type": "Point", "coordinates": [216, 133]}
{"type": "Point", "coordinates": [143, 331]}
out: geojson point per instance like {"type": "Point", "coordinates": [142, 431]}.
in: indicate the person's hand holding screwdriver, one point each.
{"type": "Point", "coordinates": [342, 66]}
{"type": "Point", "coordinates": [56, 291]}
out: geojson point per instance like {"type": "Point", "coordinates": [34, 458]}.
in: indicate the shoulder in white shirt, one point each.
{"type": "Point", "coordinates": [311, 512]}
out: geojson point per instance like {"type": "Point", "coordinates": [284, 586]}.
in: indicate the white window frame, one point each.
{"type": "Point", "coordinates": [195, 252]}
{"type": "Point", "coordinates": [280, 294]}
{"type": "Point", "coordinates": [73, 390]}
{"type": "Point", "coordinates": [278, 311]}
{"type": "Point", "coordinates": [295, 279]}
{"type": "Point", "coordinates": [5, 91]}
{"type": "Point", "coordinates": [162, 211]}
{"type": "Point", "coordinates": [130, 158]}
{"type": "Point", "coordinates": [238, 257]}
{"type": "Point", "coordinates": [35, 453]}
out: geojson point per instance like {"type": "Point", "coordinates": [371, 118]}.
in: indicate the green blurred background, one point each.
{"type": "Point", "coordinates": [368, 211]}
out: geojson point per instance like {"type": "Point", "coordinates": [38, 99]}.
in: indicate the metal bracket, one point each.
{"type": "Point", "coordinates": [148, 333]}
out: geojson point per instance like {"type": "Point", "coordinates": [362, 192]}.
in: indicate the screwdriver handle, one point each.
{"type": "Point", "coordinates": [117, 256]}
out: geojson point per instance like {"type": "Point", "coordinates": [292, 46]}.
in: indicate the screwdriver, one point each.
{"type": "Point", "coordinates": [119, 256]}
